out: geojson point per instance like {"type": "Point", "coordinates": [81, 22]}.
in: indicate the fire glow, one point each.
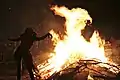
{"type": "Point", "coordinates": [73, 47]}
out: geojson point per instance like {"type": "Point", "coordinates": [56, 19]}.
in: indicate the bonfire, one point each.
{"type": "Point", "coordinates": [73, 54]}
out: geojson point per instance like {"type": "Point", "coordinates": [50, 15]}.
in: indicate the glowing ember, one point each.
{"type": "Point", "coordinates": [73, 47]}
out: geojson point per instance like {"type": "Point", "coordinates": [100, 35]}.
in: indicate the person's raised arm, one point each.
{"type": "Point", "coordinates": [43, 37]}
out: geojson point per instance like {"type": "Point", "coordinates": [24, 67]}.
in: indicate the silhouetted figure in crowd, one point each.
{"type": "Point", "coordinates": [22, 52]}
{"type": "Point", "coordinates": [88, 31]}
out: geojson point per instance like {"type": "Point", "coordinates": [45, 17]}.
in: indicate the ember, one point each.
{"type": "Point", "coordinates": [73, 47]}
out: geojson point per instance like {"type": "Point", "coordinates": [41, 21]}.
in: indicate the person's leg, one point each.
{"type": "Point", "coordinates": [29, 65]}
{"type": "Point", "coordinates": [22, 67]}
{"type": "Point", "coordinates": [19, 69]}
{"type": "Point", "coordinates": [29, 68]}
{"type": "Point", "coordinates": [31, 73]}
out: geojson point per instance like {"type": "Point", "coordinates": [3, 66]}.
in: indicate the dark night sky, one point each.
{"type": "Point", "coordinates": [17, 14]}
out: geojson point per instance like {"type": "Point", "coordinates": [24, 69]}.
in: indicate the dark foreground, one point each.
{"type": "Point", "coordinates": [8, 71]}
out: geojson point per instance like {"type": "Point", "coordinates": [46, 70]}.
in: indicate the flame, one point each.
{"type": "Point", "coordinates": [90, 78]}
{"type": "Point", "coordinates": [73, 47]}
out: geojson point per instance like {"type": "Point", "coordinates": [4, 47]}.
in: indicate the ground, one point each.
{"type": "Point", "coordinates": [8, 71]}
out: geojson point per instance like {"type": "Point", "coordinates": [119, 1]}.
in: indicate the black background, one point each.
{"type": "Point", "coordinates": [17, 14]}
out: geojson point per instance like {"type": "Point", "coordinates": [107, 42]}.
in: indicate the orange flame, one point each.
{"type": "Point", "coordinates": [73, 47]}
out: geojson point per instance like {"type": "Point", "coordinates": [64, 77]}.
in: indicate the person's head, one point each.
{"type": "Point", "coordinates": [29, 30]}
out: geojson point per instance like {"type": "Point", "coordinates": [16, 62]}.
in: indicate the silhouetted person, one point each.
{"type": "Point", "coordinates": [88, 31]}
{"type": "Point", "coordinates": [22, 52]}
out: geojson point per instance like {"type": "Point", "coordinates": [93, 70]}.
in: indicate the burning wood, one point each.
{"type": "Point", "coordinates": [73, 54]}
{"type": "Point", "coordinates": [83, 68]}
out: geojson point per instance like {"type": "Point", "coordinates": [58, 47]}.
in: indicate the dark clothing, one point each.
{"type": "Point", "coordinates": [26, 43]}
{"type": "Point", "coordinates": [23, 52]}
{"type": "Point", "coordinates": [29, 65]}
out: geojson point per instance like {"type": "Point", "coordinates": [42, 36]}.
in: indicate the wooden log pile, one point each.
{"type": "Point", "coordinates": [84, 68]}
